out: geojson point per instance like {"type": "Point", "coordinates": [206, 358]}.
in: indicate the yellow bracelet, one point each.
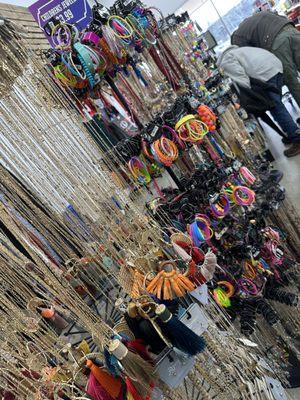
{"type": "Point", "coordinates": [183, 120]}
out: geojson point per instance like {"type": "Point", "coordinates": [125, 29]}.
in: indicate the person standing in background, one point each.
{"type": "Point", "coordinates": [277, 34]}
{"type": "Point", "coordinates": [250, 68]}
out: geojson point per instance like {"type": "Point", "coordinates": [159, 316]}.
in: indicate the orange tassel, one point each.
{"type": "Point", "coordinates": [108, 382]}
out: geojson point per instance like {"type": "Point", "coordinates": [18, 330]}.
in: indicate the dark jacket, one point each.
{"type": "Point", "coordinates": [256, 100]}
{"type": "Point", "coordinates": [260, 30]}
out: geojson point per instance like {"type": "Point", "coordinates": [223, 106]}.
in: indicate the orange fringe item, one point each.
{"type": "Point", "coordinates": [169, 285]}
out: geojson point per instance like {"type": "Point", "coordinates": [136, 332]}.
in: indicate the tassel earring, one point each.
{"type": "Point", "coordinates": [140, 373]}
{"type": "Point", "coordinates": [179, 334]}
{"type": "Point", "coordinates": [110, 384]}
{"type": "Point", "coordinates": [55, 319]}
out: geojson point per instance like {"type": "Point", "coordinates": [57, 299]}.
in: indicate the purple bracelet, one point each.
{"type": "Point", "coordinates": [90, 37]}
{"type": "Point", "coordinates": [175, 136]}
{"type": "Point", "coordinates": [243, 285]}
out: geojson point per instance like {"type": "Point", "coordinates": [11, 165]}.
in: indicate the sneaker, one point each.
{"type": "Point", "coordinates": [293, 150]}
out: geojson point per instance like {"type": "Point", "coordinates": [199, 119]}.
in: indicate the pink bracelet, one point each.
{"type": "Point", "coordinates": [90, 37]}
{"type": "Point", "coordinates": [247, 286]}
{"type": "Point", "coordinates": [247, 175]}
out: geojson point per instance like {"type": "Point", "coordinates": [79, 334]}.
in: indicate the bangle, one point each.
{"type": "Point", "coordinates": [247, 286]}
{"type": "Point", "coordinates": [63, 76]}
{"type": "Point", "coordinates": [175, 137]}
{"type": "Point", "coordinates": [69, 63]}
{"type": "Point", "coordinates": [229, 288]}
{"type": "Point", "coordinates": [58, 41]}
{"type": "Point", "coordinates": [165, 151]}
{"type": "Point", "coordinates": [247, 176]}
{"type": "Point", "coordinates": [191, 129]}
{"type": "Point", "coordinates": [221, 207]}
{"type": "Point", "coordinates": [120, 27]}
{"type": "Point", "coordinates": [139, 171]}
{"type": "Point", "coordinates": [221, 298]}
{"type": "Point", "coordinates": [200, 231]}
{"type": "Point", "coordinates": [243, 196]}
{"type": "Point", "coordinates": [134, 22]}
{"type": "Point", "coordinates": [145, 150]}
{"type": "Point", "coordinates": [250, 272]}
{"type": "Point", "coordinates": [90, 37]}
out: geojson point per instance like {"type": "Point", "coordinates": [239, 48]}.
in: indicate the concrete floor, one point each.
{"type": "Point", "coordinates": [291, 181]}
{"type": "Point", "coordinates": [289, 166]}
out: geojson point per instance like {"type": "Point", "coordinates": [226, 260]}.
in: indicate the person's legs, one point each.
{"type": "Point", "coordinates": [286, 47]}
{"type": "Point", "coordinates": [280, 113]}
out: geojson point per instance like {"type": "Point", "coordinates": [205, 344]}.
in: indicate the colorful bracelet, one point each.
{"type": "Point", "coordinates": [247, 176]}
{"type": "Point", "coordinates": [229, 287]}
{"type": "Point", "coordinates": [247, 287]}
{"type": "Point", "coordinates": [243, 196]}
{"type": "Point", "coordinates": [221, 297]}
{"type": "Point", "coordinates": [139, 171]}
{"type": "Point", "coordinates": [221, 207]}
{"type": "Point", "coordinates": [90, 37]}
{"type": "Point", "coordinates": [121, 28]}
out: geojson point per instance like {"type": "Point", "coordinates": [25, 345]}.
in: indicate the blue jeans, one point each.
{"type": "Point", "coordinates": [280, 113]}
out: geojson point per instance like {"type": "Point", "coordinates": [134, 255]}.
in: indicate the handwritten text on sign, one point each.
{"type": "Point", "coordinates": [76, 12]}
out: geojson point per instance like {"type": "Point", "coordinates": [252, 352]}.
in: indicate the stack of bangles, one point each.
{"type": "Point", "coordinates": [121, 28]}
{"type": "Point", "coordinates": [249, 270]}
{"type": "Point", "coordinates": [200, 231]}
{"type": "Point", "coordinates": [139, 171]}
{"type": "Point", "coordinates": [246, 176]}
{"type": "Point", "coordinates": [221, 207]}
{"type": "Point", "coordinates": [174, 136]}
{"type": "Point", "coordinates": [243, 196]}
{"type": "Point", "coordinates": [191, 129]}
{"type": "Point", "coordinates": [247, 287]}
{"type": "Point", "coordinates": [164, 151]}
